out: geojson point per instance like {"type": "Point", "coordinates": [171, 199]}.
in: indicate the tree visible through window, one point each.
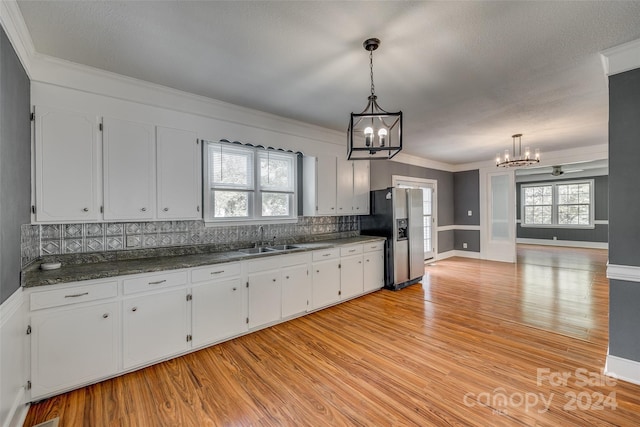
{"type": "Point", "coordinates": [557, 204]}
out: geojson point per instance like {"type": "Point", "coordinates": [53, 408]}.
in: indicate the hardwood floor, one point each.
{"type": "Point", "coordinates": [463, 348]}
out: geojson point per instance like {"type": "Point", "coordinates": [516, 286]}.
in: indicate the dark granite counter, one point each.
{"type": "Point", "coordinates": [104, 265]}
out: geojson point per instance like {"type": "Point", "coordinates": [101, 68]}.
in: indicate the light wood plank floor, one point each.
{"type": "Point", "coordinates": [438, 353]}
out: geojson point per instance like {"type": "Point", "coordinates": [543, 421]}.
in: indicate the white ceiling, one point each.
{"type": "Point", "coordinates": [467, 75]}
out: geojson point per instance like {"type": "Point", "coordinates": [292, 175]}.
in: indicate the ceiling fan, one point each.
{"type": "Point", "coordinates": [557, 171]}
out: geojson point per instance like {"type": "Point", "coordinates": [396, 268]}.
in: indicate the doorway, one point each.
{"type": "Point", "coordinates": [429, 201]}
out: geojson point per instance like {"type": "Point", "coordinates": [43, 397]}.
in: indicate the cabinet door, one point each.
{"type": "Point", "coordinates": [351, 276]}
{"type": "Point", "coordinates": [217, 311]}
{"type": "Point", "coordinates": [344, 192]}
{"type": "Point", "coordinates": [326, 185]}
{"type": "Point", "coordinates": [361, 187]}
{"type": "Point", "coordinates": [178, 172]}
{"type": "Point", "coordinates": [325, 283]}
{"type": "Point", "coordinates": [154, 326]}
{"type": "Point", "coordinates": [71, 347]}
{"type": "Point", "coordinates": [264, 298]}
{"type": "Point", "coordinates": [296, 289]}
{"type": "Point", "coordinates": [129, 180]}
{"type": "Point", "coordinates": [66, 165]}
{"type": "Point", "coordinates": [373, 270]}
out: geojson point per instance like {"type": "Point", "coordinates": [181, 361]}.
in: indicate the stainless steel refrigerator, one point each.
{"type": "Point", "coordinates": [396, 213]}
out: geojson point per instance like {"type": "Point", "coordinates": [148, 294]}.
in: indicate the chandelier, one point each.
{"type": "Point", "coordinates": [374, 134]}
{"type": "Point", "coordinates": [517, 158]}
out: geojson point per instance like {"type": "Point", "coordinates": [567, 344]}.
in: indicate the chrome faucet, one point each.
{"type": "Point", "coordinates": [261, 241]}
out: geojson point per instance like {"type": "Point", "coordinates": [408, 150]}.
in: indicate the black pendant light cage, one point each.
{"type": "Point", "coordinates": [374, 134]}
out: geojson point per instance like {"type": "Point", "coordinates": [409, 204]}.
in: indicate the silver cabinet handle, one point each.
{"type": "Point", "coordinates": [134, 309]}
{"type": "Point", "coordinates": [104, 316]}
{"type": "Point", "coordinates": [157, 283]}
{"type": "Point", "coordinates": [166, 209]}
{"type": "Point", "coordinates": [217, 272]}
{"type": "Point", "coordinates": [326, 255]}
{"type": "Point", "coordinates": [143, 209]}
{"type": "Point", "coordinates": [85, 210]}
{"type": "Point", "coordinates": [77, 295]}
{"type": "Point", "coordinates": [352, 250]}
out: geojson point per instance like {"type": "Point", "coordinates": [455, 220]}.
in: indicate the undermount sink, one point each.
{"type": "Point", "coordinates": [251, 251]}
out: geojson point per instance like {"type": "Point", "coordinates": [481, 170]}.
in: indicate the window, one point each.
{"type": "Point", "coordinates": [245, 184]}
{"type": "Point", "coordinates": [557, 204]}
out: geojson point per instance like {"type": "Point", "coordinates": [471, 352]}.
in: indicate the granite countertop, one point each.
{"type": "Point", "coordinates": [97, 266]}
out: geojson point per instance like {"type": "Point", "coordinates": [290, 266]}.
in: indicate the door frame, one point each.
{"type": "Point", "coordinates": [504, 251]}
{"type": "Point", "coordinates": [421, 182]}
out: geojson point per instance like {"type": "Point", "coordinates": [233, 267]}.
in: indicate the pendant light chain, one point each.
{"type": "Point", "coordinates": [373, 88]}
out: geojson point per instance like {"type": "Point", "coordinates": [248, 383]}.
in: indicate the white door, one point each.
{"type": "Point", "coordinates": [344, 187]}
{"type": "Point", "coordinates": [296, 289]}
{"type": "Point", "coordinates": [265, 298]}
{"type": "Point", "coordinates": [129, 175]}
{"type": "Point", "coordinates": [361, 187]}
{"type": "Point", "coordinates": [497, 195]}
{"type": "Point", "coordinates": [325, 283]}
{"type": "Point", "coordinates": [66, 165]}
{"type": "Point", "coordinates": [217, 311]}
{"type": "Point", "coordinates": [326, 182]}
{"type": "Point", "coordinates": [351, 276]}
{"type": "Point", "coordinates": [178, 171]}
{"type": "Point", "coordinates": [373, 270]}
{"type": "Point", "coordinates": [429, 209]}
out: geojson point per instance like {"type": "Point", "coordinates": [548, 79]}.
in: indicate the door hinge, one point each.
{"type": "Point", "coordinates": [29, 330]}
{"type": "Point", "coordinates": [100, 126]}
{"type": "Point", "coordinates": [101, 209]}
{"type": "Point", "coordinates": [189, 338]}
{"type": "Point", "coordinates": [33, 209]}
{"type": "Point", "coordinates": [28, 385]}
{"type": "Point", "coordinates": [307, 275]}
{"type": "Point", "coordinates": [189, 297]}
{"type": "Point", "coordinates": [247, 283]}
{"type": "Point", "coordinates": [339, 265]}
{"type": "Point", "coordinates": [32, 116]}
{"type": "Point", "coordinates": [197, 141]}
{"type": "Point", "coordinates": [340, 292]}
{"type": "Point", "coordinates": [198, 208]}
{"type": "Point", "coordinates": [247, 320]}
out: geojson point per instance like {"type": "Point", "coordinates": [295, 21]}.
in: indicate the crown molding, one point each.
{"type": "Point", "coordinates": [621, 58]}
{"type": "Point", "coordinates": [17, 32]}
{"type": "Point", "coordinates": [410, 159]}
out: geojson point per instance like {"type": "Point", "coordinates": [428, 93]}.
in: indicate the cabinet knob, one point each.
{"type": "Point", "coordinates": [134, 309]}
{"type": "Point", "coordinates": [104, 316]}
{"type": "Point", "coordinates": [85, 210]}
{"type": "Point", "coordinates": [234, 289]}
{"type": "Point", "coordinates": [274, 280]}
{"type": "Point", "coordinates": [332, 208]}
{"type": "Point", "coordinates": [286, 277]}
{"type": "Point", "coordinates": [359, 262]}
{"type": "Point", "coordinates": [317, 271]}
{"type": "Point", "coordinates": [166, 209]}
{"type": "Point", "coordinates": [143, 209]}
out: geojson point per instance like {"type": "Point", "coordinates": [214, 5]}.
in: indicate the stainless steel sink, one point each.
{"type": "Point", "coordinates": [284, 247]}
{"type": "Point", "coordinates": [261, 250]}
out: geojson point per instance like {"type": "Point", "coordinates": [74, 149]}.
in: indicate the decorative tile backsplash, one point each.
{"type": "Point", "coordinates": [55, 239]}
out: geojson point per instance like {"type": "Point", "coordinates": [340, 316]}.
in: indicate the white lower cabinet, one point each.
{"type": "Point", "coordinates": [154, 327]}
{"type": "Point", "coordinates": [73, 346]}
{"type": "Point", "coordinates": [217, 311]}
{"type": "Point", "coordinates": [351, 276]}
{"type": "Point", "coordinates": [373, 270]}
{"type": "Point", "coordinates": [264, 298]}
{"type": "Point", "coordinates": [325, 278]}
{"type": "Point", "coordinates": [296, 288]}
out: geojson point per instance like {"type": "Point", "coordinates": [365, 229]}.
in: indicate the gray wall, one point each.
{"type": "Point", "coordinates": [466, 197]}
{"type": "Point", "coordinates": [382, 171]}
{"type": "Point", "coordinates": [624, 211]}
{"type": "Point", "coordinates": [15, 164]}
{"type": "Point", "coordinates": [601, 212]}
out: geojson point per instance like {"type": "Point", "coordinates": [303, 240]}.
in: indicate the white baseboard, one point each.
{"type": "Point", "coordinates": [569, 243]}
{"type": "Point", "coordinates": [627, 273]}
{"type": "Point", "coordinates": [623, 369]}
{"type": "Point", "coordinates": [12, 361]}
{"type": "Point", "coordinates": [463, 254]}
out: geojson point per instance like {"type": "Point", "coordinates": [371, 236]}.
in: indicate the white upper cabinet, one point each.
{"type": "Point", "coordinates": [129, 172]}
{"type": "Point", "coordinates": [334, 186]}
{"type": "Point", "coordinates": [361, 187]}
{"type": "Point", "coordinates": [178, 170]}
{"type": "Point", "coordinates": [66, 163]}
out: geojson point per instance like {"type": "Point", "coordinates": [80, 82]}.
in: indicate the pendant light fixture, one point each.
{"type": "Point", "coordinates": [517, 157]}
{"type": "Point", "coordinates": [374, 134]}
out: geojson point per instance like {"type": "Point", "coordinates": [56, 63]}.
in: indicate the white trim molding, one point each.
{"type": "Point", "coordinates": [628, 273]}
{"type": "Point", "coordinates": [621, 58]}
{"type": "Point", "coordinates": [454, 253]}
{"type": "Point", "coordinates": [623, 369]}
{"type": "Point", "coordinates": [567, 243]}
{"type": "Point", "coordinates": [458, 227]}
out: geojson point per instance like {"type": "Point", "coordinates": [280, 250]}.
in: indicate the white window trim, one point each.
{"type": "Point", "coordinates": [554, 206]}
{"type": "Point", "coordinates": [255, 192]}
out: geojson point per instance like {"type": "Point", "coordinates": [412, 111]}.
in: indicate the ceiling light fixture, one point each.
{"type": "Point", "coordinates": [374, 134]}
{"type": "Point", "coordinates": [517, 158]}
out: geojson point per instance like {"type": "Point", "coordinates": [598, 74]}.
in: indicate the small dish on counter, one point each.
{"type": "Point", "coordinates": [50, 265]}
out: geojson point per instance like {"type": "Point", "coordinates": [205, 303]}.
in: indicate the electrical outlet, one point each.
{"type": "Point", "coordinates": [469, 213]}
{"type": "Point", "coordinates": [555, 237]}
{"type": "Point", "coordinates": [464, 245]}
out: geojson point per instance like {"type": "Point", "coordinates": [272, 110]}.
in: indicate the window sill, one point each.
{"type": "Point", "coordinates": [555, 226]}
{"type": "Point", "coordinates": [263, 221]}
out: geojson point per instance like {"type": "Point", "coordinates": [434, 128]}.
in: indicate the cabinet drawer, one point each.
{"type": "Point", "coordinates": [374, 246]}
{"type": "Point", "coordinates": [215, 272]}
{"type": "Point", "coordinates": [73, 295]}
{"type": "Point", "coordinates": [324, 254]}
{"type": "Point", "coordinates": [350, 250]}
{"type": "Point", "coordinates": [153, 282]}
